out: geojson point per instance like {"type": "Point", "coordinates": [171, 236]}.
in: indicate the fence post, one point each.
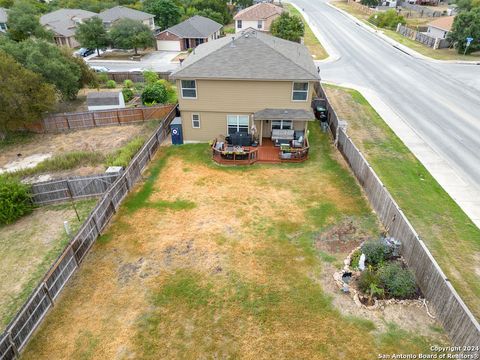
{"type": "Point", "coordinates": [68, 122]}
{"type": "Point", "coordinates": [93, 119]}
{"type": "Point", "coordinates": [47, 293]}
{"type": "Point", "coordinates": [118, 117]}
{"type": "Point", "coordinates": [12, 344]}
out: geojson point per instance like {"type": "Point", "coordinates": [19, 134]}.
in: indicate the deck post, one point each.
{"type": "Point", "coordinates": [261, 132]}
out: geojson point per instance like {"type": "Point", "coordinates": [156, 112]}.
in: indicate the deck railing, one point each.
{"type": "Point", "coordinates": [248, 156]}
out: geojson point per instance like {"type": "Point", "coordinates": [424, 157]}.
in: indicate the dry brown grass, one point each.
{"type": "Point", "coordinates": [231, 275]}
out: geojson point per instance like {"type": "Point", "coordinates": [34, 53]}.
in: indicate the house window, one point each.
{"type": "Point", "coordinates": [239, 24]}
{"type": "Point", "coordinates": [260, 24]}
{"type": "Point", "coordinates": [198, 42]}
{"type": "Point", "coordinates": [237, 123]}
{"type": "Point", "coordinates": [196, 121]}
{"type": "Point", "coordinates": [300, 91]}
{"type": "Point", "coordinates": [189, 89]}
{"type": "Point", "coordinates": [282, 124]}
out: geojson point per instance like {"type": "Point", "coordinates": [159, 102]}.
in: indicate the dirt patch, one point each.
{"type": "Point", "coordinates": [341, 237]}
{"type": "Point", "coordinates": [42, 146]}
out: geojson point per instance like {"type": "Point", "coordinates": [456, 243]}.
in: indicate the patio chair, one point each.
{"type": "Point", "coordinates": [298, 143]}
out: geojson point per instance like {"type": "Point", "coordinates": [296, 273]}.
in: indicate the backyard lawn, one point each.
{"type": "Point", "coordinates": [28, 248]}
{"type": "Point", "coordinates": [439, 54]}
{"type": "Point", "coordinates": [449, 234]}
{"type": "Point", "coordinates": [204, 261]}
{"type": "Point", "coordinates": [310, 40]}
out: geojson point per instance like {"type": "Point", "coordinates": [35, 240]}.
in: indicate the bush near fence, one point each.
{"type": "Point", "coordinates": [136, 77]}
{"type": "Point", "coordinates": [20, 329]}
{"type": "Point", "coordinates": [461, 325]}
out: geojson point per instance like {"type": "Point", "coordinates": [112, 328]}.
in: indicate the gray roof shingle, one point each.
{"type": "Point", "coordinates": [254, 55]}
{"type": "Point", "coordinates": [63, 21]}
{"type": "Point", "coordinates": [122, 12]}
{"type": "Point", "coordinates": [195, 27]}
{"type": "Point", "coordinates": [103, 98]}
{"type": "Point", "coordinates": [284, 114]}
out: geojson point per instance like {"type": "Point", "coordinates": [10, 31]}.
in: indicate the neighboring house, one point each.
{"type": "Point", "coordinates": [188, 34]}
{"type": "Point", "coordinates": [440, 27]}
{"type": "Point", "coordinates": [105, 100]}
{"type": "Point", "coordinates": [63, 23]}
{"type": "Point", "coordinates": [254, 83]}
{"type": "Point", "coordinates": [259, 17]}
{"type": "Point", "coordinates": [3, 19]}
{"type": "Point", "coordinates": [116, 13]}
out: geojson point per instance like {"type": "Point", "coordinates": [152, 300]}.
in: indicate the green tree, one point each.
{"type": "Point", "coordinates": [24, 95]}
{"type": "Point", "coordinates": [467, 5]}
{"type": "Point", "coordinates": [211, 14]}
{"type": "Point", "coordinates": [15, 200]}
{"type": "Point", "coordinates": [92, 34]}
{"type": "Point", "coordinates": [155, 94]}
{"type": "Point", "coordinates": [166, 12]}
{"type": "Point", "coordinates": [244, 3]}
{"type": "Point", "coordinates": [370, 3]}
{"type": "Point", "coordinates": [218, 6]}
{"type": "Point", "coordinates": [130, 34]}
{"type": "Point", "coordinates": [23, 22]}
{"type": "Point", "coordinates": [288, 27]}
{"type": "Point", "coordinates": [466, 24]}
{"type": "Point", "coordinates": [48, 60]}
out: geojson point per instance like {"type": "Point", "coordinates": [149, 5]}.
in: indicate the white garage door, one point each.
{"type": "Point", "coordinates": [168, 45]}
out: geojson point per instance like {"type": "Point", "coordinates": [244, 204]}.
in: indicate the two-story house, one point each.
{"type": "Point", "coordinates": [253, 84]}
{"type": "Point", "coordinates": [259, 17]}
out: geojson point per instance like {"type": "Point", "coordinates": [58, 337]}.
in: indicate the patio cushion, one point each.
{"type": "Point", "coordinates": [283, 134]}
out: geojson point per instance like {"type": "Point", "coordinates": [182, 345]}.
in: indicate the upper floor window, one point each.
{"type": "Point", "coordinates": [189, 89]}
{"type": "Point", "coordinates": [239, 24]}
{"type": "Point", "coordinates": [300, 91]}
{"type": "Point", "coordinates": [260, 24]}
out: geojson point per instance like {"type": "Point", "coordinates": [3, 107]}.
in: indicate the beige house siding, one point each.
{"type": "Point", "coordinates": [218, 98]}
{"type": "Point", "coordinates": [242, 96]}
{"type": "Point", "coordinates": [212, 125]}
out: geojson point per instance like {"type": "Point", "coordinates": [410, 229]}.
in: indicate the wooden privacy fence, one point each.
{"type": "Point", "coordinates": [53, 191]}
{"type": "Point", "coordinates": [20, 329]}
{"type": "Point", "coordinates": [421, 37]}
{"type": "Point", "coordinates": [458, 321]}
{"type": "Point", "coordinates": [136, 77]}
{"type": "Point", "coordinates": [89, 119]}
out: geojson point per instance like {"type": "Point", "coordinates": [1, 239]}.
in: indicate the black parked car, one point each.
{"type": "Point", "coordinates": [83, 52]}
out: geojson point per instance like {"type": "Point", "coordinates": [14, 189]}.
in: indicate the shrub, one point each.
{"type": "Point", "coordinates": [354, 260]}
{"type": "Point", "coordinates": [102, 78]}
{"type": "Point", "coordinates": [111, 84]}
{"type": "Point", "coordinates": [15, 200]}
{"type": "Point", "coordinates": [128, 84]}
{"type": "Point", "coordinates": [367, 279]}
{"type": "Point", "coordinates": [376, 252]}
{"type": "Point", "coordinates": [388, 19]}
{"type": "Point", "coordinates": [151, 77]}
{"type": "Point", "coordinates": [397, 281]}
{"type": "Point", "coordinates": [127, 94]}
{"type": "Point", "coordinates": [154, 94]}
{"type": "Point", "coordinates": [229, 30]}
{"type": "Point", "coordinates": [123, 156]}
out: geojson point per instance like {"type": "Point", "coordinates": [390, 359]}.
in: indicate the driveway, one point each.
{"type": "Point", "coordinates": [434, 108]}
{"type": "Point", "coordinates": [160, 61]}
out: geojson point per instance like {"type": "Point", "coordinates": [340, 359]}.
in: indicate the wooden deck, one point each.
{"type": "Point", "coordinates": [266, 153]}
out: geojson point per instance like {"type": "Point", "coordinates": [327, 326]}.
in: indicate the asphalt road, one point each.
{"type": "Point", "coordinates": [441, 102]}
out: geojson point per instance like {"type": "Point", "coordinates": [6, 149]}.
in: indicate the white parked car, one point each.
{"type": "Point", "coordinates": [99, 69]}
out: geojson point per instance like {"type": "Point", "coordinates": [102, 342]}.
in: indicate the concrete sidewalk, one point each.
{"type": "Point", "coordinates": [467, 196]}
